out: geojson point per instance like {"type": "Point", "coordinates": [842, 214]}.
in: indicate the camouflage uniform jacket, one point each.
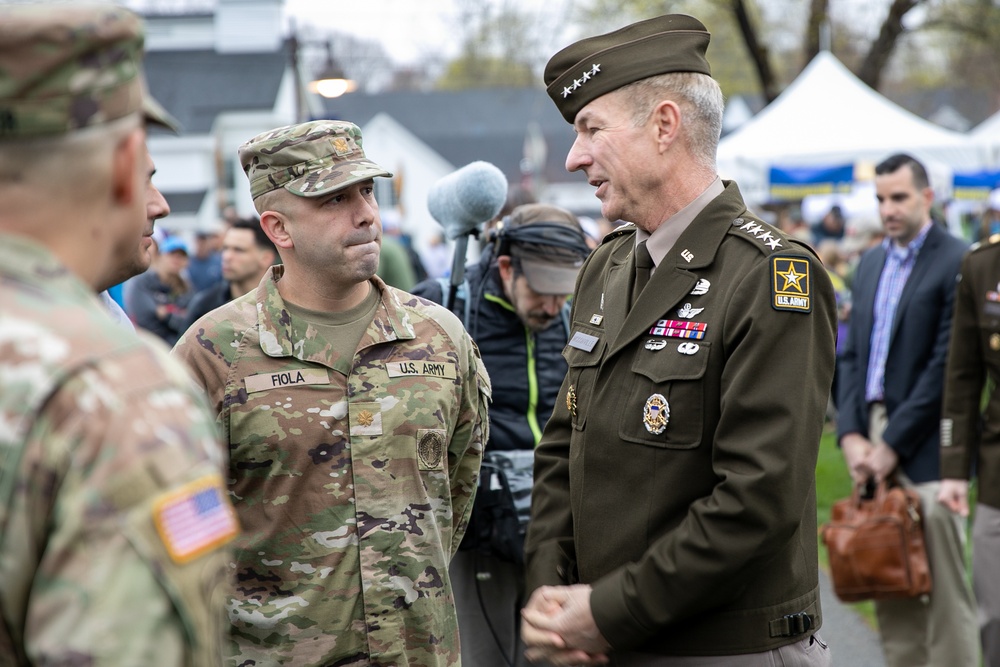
{"type": "Point", "coordinates": [105, 447]}
{"type": "Point", "coordinates": [353, 475]}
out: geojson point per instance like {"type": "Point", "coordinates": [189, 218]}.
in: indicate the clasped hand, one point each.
{"type": "Point", "coordinates": [557, 626]}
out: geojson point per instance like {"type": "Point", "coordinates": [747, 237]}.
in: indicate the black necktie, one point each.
{"type": "Point", "coordinates": [643, 267]}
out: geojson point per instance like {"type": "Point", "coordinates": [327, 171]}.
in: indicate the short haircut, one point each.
{"type": "Point", "coordinates": [260, 238]}
{"type": "Point", "coordinates": [698, 95]}
{"type": "Point", "coordinates": [894, 163]}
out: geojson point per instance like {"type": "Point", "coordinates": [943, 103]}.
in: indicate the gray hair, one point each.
{"type": "Point", "coordinates": [698, 96]}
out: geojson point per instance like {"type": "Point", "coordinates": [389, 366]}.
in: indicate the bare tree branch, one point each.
{"type": "Point", "coordinates": [881, 49]}
{"type": "Point", "coordinates": [758, 52]}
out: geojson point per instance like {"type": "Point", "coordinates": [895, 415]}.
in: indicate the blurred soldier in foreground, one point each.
{"type": "Point", "coordinates": [356, 416]}
{"type": "Point", "coordinates": [112, 508]}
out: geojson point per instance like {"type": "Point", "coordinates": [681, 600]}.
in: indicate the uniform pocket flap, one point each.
{"type": "Point", "coordinates": [664, 360]}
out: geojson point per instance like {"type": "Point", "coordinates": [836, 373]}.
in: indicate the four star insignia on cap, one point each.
{"type": "Point", "coordinates": [587, 75]}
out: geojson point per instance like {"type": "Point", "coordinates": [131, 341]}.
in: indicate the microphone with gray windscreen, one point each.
{"type": "Point", "coordinates": [468, 197]}
{"type": "Point", "coordinates": [462, 202]}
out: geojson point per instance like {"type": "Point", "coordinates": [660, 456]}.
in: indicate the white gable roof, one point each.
{"type": "Point", "coordinates": [828, 116]}
{"type": "Point", "coordinates": [987, 134]}
{"type": "Point", "coordinates": [988, 129]}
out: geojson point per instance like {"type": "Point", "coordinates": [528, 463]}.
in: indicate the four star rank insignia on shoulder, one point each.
{"type": "Point", "coordinates": [790, 284]}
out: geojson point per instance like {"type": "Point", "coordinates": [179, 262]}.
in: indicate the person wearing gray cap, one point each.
{"type": "Point", "coordinates": [514, 305]}
{"type": "Point", "coordinates": [355, 415]}
{"type": "Point", "coordinates": [673, 513]}
{"type": "Point", "coordinates": [114, 518]}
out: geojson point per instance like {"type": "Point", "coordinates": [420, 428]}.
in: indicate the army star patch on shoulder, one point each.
{"type": "Point", "coordinates": [790, 284]}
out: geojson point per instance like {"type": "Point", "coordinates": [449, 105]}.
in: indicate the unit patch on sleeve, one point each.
{"type": "Point", "coordinates": [790, 284]}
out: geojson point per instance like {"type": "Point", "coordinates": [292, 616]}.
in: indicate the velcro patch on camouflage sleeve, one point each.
{"type": "Point", "coordinates": [195, 519]}
{"type": "Point", "coordinates": [431, 446]}
{"type": "Point", "coordinates": [790, 284]}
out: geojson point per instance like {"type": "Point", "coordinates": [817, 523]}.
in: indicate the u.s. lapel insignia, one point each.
{"type": "Point", "coordinates": [656, 414]}
{"type": "Point", "coordinates": [571, 400]}
{"type": "Point", "coordinates": [596, 319]}
{"type": "Point", "coordinates": [686, 312]}
{"type": "Point", "coordinates": [688, 348]}
{"type": "Point", "coordinates": [701, 287]}
{"type": "Point", "coordinates": [655, 345]}
{"type": "Point", "coordinates": [790, 288]}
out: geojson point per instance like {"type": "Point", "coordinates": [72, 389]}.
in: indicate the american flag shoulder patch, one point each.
{"type": "Point", "coordinates": [195, 519]}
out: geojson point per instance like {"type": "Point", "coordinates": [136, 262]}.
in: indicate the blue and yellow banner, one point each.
{"type": "Point", "coordinates": [974, 185]}
{"type": "Point", "coordinates": [794, 183]}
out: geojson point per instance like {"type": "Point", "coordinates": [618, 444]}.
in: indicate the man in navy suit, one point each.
{"type": "Point", "coordinates": [891, 379]}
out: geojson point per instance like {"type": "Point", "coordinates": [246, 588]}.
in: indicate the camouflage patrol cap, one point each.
{"type": "Point", "coordinates": [309, 159]}
{"type": "Point", "coordinates": [65, 66]}
{"type": "Point", "coordinates": [585, 70]}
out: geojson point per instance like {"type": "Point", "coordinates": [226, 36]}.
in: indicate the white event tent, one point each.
{"type": "Point", "coordinates": [987, 134]}
{"type": "Point", "coordinates": [828, 116]}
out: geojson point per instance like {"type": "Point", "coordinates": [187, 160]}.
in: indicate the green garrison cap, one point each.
{"type": "Point", "coordinates": [67, 66]}
{"type": "Point", "coordinates": [585, 70]}
{"type": "Point", "coordinates": [309, 159]}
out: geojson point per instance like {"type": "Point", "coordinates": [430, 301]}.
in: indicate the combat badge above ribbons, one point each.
{"type": "Point", "coordinates": [656, 414]}
{"type": "Point", "coordinates": [790, 284]}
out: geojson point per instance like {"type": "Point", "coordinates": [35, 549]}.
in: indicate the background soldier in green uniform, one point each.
{"type": "Point", "coordinates": [970, 430]}
{"type": "Point", "coordinates": [673, 512]}
{"type": "Point", "coordinates": [355, 415]}
{"type": "Point", "coordinates": [113, 513]}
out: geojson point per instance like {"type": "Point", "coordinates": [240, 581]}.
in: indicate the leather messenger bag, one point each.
{"type": "Point", "coordinates": [876, 545]}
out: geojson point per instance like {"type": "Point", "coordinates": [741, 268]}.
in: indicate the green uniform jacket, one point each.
{"type": "Point", "coordinates": [677, 475]}
{"type": "Point", "coordinates": [968, 433]}
{"type": "Point", "coordinates": [113, 513]}
{"type": "Point", "coordinates": [353, 474]}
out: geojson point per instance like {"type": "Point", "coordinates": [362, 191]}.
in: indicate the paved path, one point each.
{"type": "Point", "coordinates": [852, 641]}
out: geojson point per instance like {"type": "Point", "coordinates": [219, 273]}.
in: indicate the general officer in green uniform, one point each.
{"type": "Point", "coordinates": [674, 511]}
{"type": "Point", "coordinates": [970, 429]}
{"type": "Point", "coordinates": [114, 521]}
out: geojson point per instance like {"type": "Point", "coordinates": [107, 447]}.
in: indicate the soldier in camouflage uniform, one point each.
{"type": "Point", "coordinates": [113, 514]}
{"type": "Point", "coordinates": [355, 415]}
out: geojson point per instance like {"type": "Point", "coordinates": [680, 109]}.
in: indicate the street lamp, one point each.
{"type": "Point", "coordinates": [331, 82]}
